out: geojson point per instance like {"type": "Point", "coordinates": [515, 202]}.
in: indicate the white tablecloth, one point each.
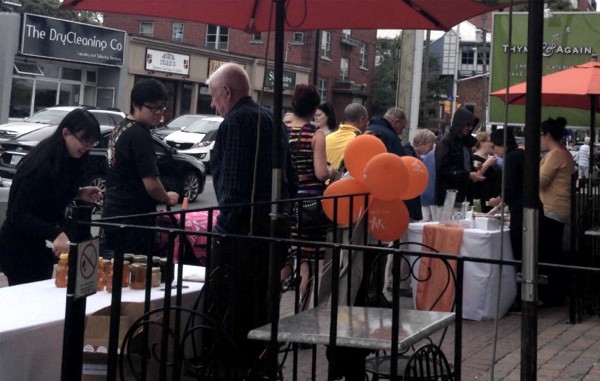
{"type": "Point", "coordinates": [480, 279]}
{"type": "Point", "coordinates": [32, 324]}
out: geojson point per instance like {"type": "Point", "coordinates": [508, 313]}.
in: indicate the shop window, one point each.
{"type": "Point", "coordinates": [71, 74]}
{"type": "Point", "coordinates": [323, 85]}
{"type": "Point", "coordinates": [177, 34]}
{"type": "Point", "coordinates": [90, 76]}
{"type": "Point", "coordinates": [27, 68]}
{"type": "Point", "coordinates": [344, 66]}
{"type": "Point", "coordinates": [217, 37]}
{"type": "Point", "coordinates": [298, 38]}
{"type": "Point", "coordinates": [364, 56]}
{"type": "Point", "coordinates": [326, 45]}
{"type": "Point", "coordinates": [20, 98]}
{"type": "Point", "coordinates": [256, 38]}
{"type": "Point", "coordinates": [146, 29]}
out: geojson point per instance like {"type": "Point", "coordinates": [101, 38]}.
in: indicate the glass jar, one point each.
{"type": "Point", "coordinates": [108, 272]}
{"type": "Point", "coordinates": [62, 270]}
{"type": "Point", "coordinates": [128, 257]}
{"type": "Point", "coordinates": [101, 280]}
{"type": "Point", "coordinates": [156, 277]}
{"type": "Point", "coordinates": [138, 276]}
{"type": "Point", "coordinates": [126, 272]}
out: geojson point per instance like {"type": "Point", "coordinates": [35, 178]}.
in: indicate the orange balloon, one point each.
{"type": "Point", "coordinates": [388, 220]}
{"type": "Point", "coordinates": [345, 186]}
{"type": "Point", "coordinates": [386, 176]}
{"type": "Point", "coordinates": [359, 151]}
{"type": "Point", "coordinates": [418, 176]}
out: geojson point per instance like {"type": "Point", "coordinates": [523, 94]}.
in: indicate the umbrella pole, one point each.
{"type": "Point", "coordinates": [593, 99]}
{"type": "Point", "coordinates": [529, 295]}
{"type": "Point", "coordinates": [276, 180]}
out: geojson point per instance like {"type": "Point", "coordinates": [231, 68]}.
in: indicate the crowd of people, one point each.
{"type": "Point", "coordinates": [313, 144]}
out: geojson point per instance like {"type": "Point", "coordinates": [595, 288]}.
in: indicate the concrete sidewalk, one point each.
{"type": "Point", "coordinates": [565, 351]}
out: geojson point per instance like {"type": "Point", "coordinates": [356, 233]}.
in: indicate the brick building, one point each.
{"type": "Point", "coordinates": [344, 62]}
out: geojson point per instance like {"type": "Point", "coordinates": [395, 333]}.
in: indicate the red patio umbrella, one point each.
{"type": "Point", "coordinates": [575, 87]}
{"type": "Point", "coordinates": [259, 15]}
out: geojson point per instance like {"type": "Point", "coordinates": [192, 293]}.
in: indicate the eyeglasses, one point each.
{"type": "Point", "coordinates": [156, 109]}
{"type": "Point", "coordinates": [85, 143]}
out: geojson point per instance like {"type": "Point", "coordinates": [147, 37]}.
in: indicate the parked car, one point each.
{"type": "Point", "coordinates": [52, 116]}
{"type": "Point", "coordinates": [178, 124]}
{"type": "Point", "coordinates": [197, 139]}
{"type": "Point", "coordinates": [178, 172]}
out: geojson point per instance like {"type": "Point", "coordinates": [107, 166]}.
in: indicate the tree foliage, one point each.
{"type": "Point", "coordinates": [50, 8]}
{"type": "Point", "coordinates": [385, 83]}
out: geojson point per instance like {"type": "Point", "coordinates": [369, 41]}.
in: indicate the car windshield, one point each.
{"type": "Point", "coordinates": [48, 116]}
{"type": "Point", "coordinates": [184, 120]}
{"type": "Point", "coordinates": [203, 126]}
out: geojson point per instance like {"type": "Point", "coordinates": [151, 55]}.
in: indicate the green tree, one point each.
{"type": "Point", "coordinates": [50, 8]}
{"type": "Point", "coordinates": [385, 82]}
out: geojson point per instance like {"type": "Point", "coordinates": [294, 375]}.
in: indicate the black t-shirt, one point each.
{"type": "Point", "coordinates": [131, 158]}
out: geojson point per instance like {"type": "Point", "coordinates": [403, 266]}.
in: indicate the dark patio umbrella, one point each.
{"type": "Point", "coordinates": [263, 15]}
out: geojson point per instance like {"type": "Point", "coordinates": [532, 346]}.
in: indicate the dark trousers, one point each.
{"type": "Point", "coordinates": [550, 251]}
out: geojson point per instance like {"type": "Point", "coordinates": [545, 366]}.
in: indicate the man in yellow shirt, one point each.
{"type": "Point", "coordinates": [355, 122]}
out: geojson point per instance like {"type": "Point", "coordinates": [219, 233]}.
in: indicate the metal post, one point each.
{"type": "Point", "coordinates": [531, 182]}
{"type": "Point", "coordinates": [72, 358]}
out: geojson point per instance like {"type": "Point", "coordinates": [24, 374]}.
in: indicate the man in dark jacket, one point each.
{"type": "Point", "coordinates": [389, 128]}
{"type": "Point", "coordinates": [453, 159]}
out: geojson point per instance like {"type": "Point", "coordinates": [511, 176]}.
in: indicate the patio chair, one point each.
{"type": "Point", "coordinates": [428, 363]}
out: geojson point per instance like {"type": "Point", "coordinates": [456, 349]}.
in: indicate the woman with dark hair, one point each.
{"type": "Point", "coordinates": [556, 169]}
{"type": "Point", "coordinates": [47, 181]}
{"type": "Point", "coordinates": [307, 148]}
{"type": "Point", "coordinates": [325, 118]}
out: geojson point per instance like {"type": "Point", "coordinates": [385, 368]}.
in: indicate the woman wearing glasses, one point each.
{"type": "Point", "coordinates": [47, 181]}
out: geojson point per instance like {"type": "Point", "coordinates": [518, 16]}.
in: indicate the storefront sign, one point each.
{"type": "Point", "coordinates": [213, 65]}
{"type": "Point", "coordinates": [569, 39]}
{"type": "Point", "coordinates": [71, 41]}
{"type": "Point", "coordinates": [289, 79]}
{"type": "Point", "coordinates": [167, 62]}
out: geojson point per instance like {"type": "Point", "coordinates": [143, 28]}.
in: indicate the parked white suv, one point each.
{"type": "Point", "coordinates": [52, 116]}
{"type": "Point", "coordinates": [197, 139]}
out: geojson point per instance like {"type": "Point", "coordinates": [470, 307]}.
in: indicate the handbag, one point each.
{"type": "Point", "coordinates": [310, 215]}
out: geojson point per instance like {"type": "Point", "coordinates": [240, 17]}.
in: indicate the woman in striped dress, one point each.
{"type": "Point", "coordinates": [307, 147]}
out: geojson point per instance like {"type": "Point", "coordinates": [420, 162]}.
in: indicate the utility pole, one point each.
{"type": "Point", "coordinates": [408, 90]}
{"type": "Point", "coordinates": [485, 76]}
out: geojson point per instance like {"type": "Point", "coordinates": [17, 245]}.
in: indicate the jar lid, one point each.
{"type": "Point", "coordinates": [156, 269]}
{"type": "Point", "coordinates": [138, 265]}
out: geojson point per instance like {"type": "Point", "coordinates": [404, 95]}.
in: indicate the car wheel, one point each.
{"type": "Point", "coordinates": [191, 186]}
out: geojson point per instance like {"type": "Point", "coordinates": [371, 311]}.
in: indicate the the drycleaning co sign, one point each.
{"type": "Point", "coordinates": [71, 41]}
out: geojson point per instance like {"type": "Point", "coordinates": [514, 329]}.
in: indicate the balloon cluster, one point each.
{"type": "Point", "coordinates": [388, 179]}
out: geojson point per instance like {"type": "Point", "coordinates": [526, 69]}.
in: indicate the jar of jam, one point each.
{"type": "Point", "coordinates": [108, 273]}
{"type": "Point", "coordinates": [101, 280]}
{"type": "Point", "coordinates": [156, 277]}
{"type": "Point", "coordinates": [126, 271]}
{"type": "Point", "coordinates": [138, 276]}
{"type": "Point", "coordinates": [62, 270]}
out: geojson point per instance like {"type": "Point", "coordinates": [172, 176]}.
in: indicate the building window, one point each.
{"type": "Point", "coordinates": [323, 89]}
{"type": "Point", "coordinates": [146, 29]}
{"type": "Point", "coordinates": [346, 33]}
{"type": "Point", "coordinates": [481, 55]}
{"type": "Point", "coordinates": [217, 37]}
{"type": "Point", "coordinates": [364, 56]}
{"type": "Point", "coordinates": [344, 66]}
{"type": "Point", "coordinates": [468, 55]}
{"type": "Point", "coordinates": [298, 38]}
{"type": "Point", "coordinates": [177, 34]}
{"type": "Point", "coordinates": [326, 45]}
{"type": "Point", "coordinates": [256, 38]}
